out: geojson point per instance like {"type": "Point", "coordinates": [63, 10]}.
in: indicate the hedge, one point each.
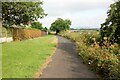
{"type": "Point", "coordinates": [20, 34]}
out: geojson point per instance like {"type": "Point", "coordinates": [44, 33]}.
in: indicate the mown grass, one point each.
{"type": "Point", "coordinates": [0, 61]}
{"type": "Point", "coordinates": [23, 59]}
{"type": "Point", "coordinates": [103, 59]}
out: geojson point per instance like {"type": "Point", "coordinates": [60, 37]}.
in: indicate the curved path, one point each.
{"type": "Point", "coordinates": [66, 63]}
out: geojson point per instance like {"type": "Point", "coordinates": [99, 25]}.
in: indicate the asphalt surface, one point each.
{"type": "Point", "coordinates": [66, 63]}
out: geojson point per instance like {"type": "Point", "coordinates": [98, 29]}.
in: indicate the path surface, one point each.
{"type": "Point", "coordinates": [66, 63]}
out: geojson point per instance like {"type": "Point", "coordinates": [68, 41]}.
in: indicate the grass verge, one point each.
{"type": "Point", "coordinates": [0, 61]}
{"type": "Point", "coordinates": [23, 59]}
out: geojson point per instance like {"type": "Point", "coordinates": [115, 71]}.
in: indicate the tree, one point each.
{"type": "Point", "coordinates": [111, 27]}
{"type": "Point", "coordinates": [45, 29]}
{"type": "Point", "coordinates": [60, 25]}
{"type": "Point", "coordinates": [21, 12]}
{"type": "Point", "coordinates": [37, 25]}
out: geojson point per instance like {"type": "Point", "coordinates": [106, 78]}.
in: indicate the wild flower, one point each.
{"type": "Point", "coordinates": [105, 38]}
{"type": "Point", "coordinates": [103, 59]}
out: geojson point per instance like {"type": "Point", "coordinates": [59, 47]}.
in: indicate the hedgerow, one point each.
{"type": "Point", "coordinates": [102, 59]}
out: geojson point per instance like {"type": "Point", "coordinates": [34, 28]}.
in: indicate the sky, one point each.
{"type": "Point", "coordinates": [82, 13]}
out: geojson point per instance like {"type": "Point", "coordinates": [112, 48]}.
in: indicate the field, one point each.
{"type": "Point", "coordinates": [103, 59]}
{"type": "Point", "coordinates": [23, 59]}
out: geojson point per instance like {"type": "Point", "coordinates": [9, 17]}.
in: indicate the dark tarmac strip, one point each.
{"type": "Point", "coordinates": [66, 63]}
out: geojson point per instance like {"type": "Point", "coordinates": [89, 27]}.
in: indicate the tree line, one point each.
{"type": "Point", "coordinates": [25, 13]}
{"type": "Point", "coordinates": [28, 12]}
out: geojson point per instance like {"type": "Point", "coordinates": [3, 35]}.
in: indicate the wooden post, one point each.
{"type": "Point", "coordinates": [6, 34]}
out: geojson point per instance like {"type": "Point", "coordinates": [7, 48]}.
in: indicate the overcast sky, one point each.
{"type": "Point", "coordinates": [82, 13]}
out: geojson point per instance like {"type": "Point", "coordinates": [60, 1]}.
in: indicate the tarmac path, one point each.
{"type": "Point", "coordinates": [66, 63]}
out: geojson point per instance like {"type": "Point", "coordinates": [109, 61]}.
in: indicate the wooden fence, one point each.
{"type": "Point", "coordinates": [20, 34]}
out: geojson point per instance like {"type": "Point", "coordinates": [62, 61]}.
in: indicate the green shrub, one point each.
{"type": "Point", "coordinates": [102, 59]}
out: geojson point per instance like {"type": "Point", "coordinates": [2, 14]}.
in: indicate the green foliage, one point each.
{"type": "Point", "coordinates": [102, 59]}
{"type": "Point", "coordinates": [37, 25]}
{"type": "Point", "coordinates": [111, 27]}
{"type": "Point", "coordinates": [23, 59]}
{"type": "Point", "coordinates": [21, 12]}
{"type": "Point", "coordinates": [45, 29]}
{"type": "Point", "coordinates": [60, 25]}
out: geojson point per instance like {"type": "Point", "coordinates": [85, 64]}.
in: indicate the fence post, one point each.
{"type": "Point", "coordinates": [6, 34]}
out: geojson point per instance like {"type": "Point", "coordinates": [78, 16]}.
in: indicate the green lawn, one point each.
{"type": "Point", "coordinates": [0, 61]}
{"type": "Point", "coordinates": [23, 59]}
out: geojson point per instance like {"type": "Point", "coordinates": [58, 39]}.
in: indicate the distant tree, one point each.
{"type": "Point", "coordinates": [60, 25]}
{"type": "Point", "coordinates": [72, 29]}
{"type": "Point", "coordinates": [111, 27]}
{"type": "Point", "coordinates": [21, 12]}
{"type": "Point", "coordinates": [45, 29]}
{"type": "Point", "coordinates": [37, 25]}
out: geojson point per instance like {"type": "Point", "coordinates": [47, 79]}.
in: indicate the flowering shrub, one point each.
{"type": "Point", "coordinates": [102, 59]}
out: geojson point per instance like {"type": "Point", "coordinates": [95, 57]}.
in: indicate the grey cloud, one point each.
{"type": "Point", "coordinates": [69, 6]}
{"type": "Point", "coordinates": [80, 12]}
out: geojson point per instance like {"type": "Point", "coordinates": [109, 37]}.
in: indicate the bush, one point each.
{"type": "Point", "coordinates": [111, 27]}
{"type": "Point", "coordinates": [102, 59]}
{"type": "Point", "coordinates": [37, 25]}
